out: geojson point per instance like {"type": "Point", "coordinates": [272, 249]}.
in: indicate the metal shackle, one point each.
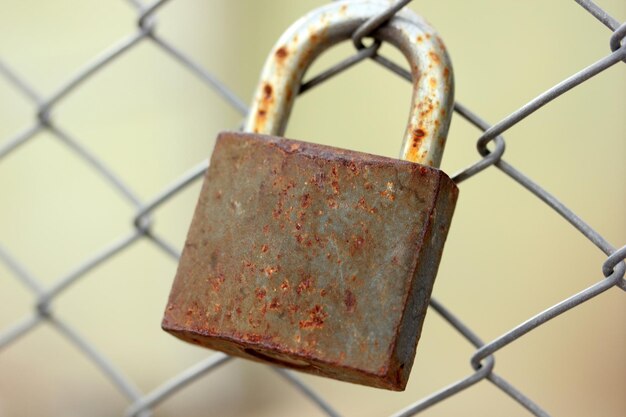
{"type": "Point", "coordinates": [307, 38]}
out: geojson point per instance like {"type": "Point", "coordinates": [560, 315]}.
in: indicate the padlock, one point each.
{"type": "Point", "coordinates": [312, 257]}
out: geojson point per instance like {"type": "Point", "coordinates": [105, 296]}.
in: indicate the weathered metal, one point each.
{"type": "Point", "coordinates": [313, 257]}
{"type": "Point", "coordinates": [297, 48]}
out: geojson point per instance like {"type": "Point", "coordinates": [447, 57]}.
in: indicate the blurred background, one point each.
{"type": "Point", "coordinates": [149, 119]}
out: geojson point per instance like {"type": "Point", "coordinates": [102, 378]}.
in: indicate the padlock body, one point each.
{"type": "Point", "coordinates": [312, 257]}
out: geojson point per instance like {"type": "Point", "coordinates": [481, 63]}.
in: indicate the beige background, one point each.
{"type": "Point", "coordinates": [508, 256]}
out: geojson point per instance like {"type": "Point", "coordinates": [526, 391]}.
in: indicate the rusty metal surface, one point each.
{"type": "Point", "coordinates": [312, 257]}
{"type": "Point", "coordinates": [433, 86]}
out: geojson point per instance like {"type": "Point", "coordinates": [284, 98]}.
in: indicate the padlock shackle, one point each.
{"type": "Point", "coordinates": [307, 38]}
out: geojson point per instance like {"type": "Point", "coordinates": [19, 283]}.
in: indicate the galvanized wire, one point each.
{"type": "Point", "coordinates": [482, 360]}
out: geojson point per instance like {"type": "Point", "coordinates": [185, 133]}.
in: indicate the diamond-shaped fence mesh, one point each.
{"type": "Point", "coordinates": [105, 229]}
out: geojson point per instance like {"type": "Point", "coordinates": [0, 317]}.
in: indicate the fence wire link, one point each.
{"type": "Point", "coordinates": [482, 361]}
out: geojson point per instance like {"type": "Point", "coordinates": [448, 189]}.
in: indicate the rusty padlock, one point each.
{"type": "Point", "coordinates": [316, 258]}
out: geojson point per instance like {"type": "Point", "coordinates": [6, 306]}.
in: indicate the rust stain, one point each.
{"type": "Point", "coordinates": [270, 270]}
{"type": "Point", "coordinates": [418, 133]}
{"type": "Point", "coordinates": [388, 195]}
{"type": "Point", "coordinates": [260, 121]}
{"type": "Point", "coordinates": [249, 266]}
{"type": "Point", "coordinates": [316, 318]}
{"type": "Point", "coordinates": [254, 322]}
{"type": "Point", "coordinates": [304, 285]}
{"type": "Point", "coordinates": [260, 293]}
{"type": "Point", "coordinates": [267, 91]}
{"type": "Point", "coordinates": [357, 244]}
{"type": "Point", "coordinates": [417, 136]}
{"type": "Point", "coordinates": [252, 337]}
{"type": "Point", "coordinates": [362, 204]}
{"type": "Point", "coordinates": [319, 178]}
{"type": "Point", "coordinates": [216, 283]}
{"type": "Point", "coordinates": [389, 192]}
{"type": "Point", "coordinates": [350, 301]}
{"type": "Point", "coordinates": [425, 107]}
{"type": "Point", "coordinates": [277, 211]}
{"type": "Point", "coordinates": [281, 53]}
{"type": "Point", "coordinates": [274, 304]}
{"type": "Point", "coordinates": [265, 103]}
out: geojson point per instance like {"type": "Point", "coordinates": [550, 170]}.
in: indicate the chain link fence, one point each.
{"type": "Point", "coordinates": [490, 145]}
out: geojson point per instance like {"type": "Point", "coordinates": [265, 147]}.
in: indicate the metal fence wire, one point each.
{"type": "Point", "coordinates": [490, 144]}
